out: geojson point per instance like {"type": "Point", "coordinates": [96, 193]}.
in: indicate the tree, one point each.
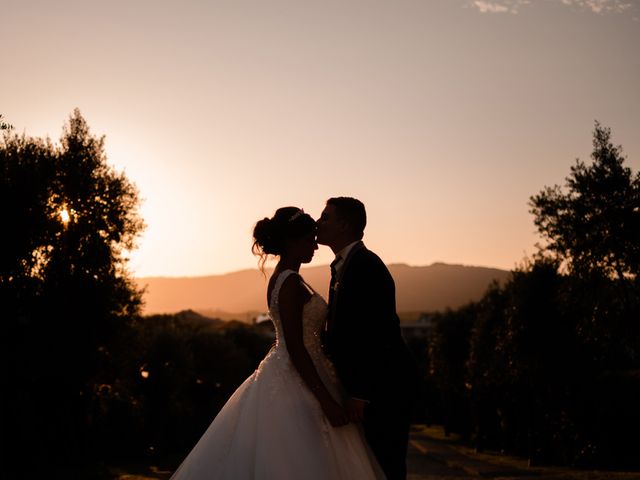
{"type": "Point", "coordinates": [448, 354]}
{"type": "Point", "coordinates": [595, 225]}
{"type": "Point", "coordinates": [69, 219]}
{"type": "Point", "coordinates": [552, 355]}
{"type": "Point", "coordinates": [4, 125]}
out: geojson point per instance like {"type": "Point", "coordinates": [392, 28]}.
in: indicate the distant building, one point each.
{"type": "Point", "coordinates": [263, 323]}
{"type": "Point", "coordinates": [262, 317]}
{"type": "Point", "coordinates": [421, 329]}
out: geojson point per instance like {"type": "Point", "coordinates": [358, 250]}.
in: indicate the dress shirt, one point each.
{"type": "Point", "coordinates": [342, 255]}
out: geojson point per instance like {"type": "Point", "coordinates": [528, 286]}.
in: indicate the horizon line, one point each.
{"type": "Point", "coordinates": [270, 269]}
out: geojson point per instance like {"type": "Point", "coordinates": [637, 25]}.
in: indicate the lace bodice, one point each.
{"type": "Point", "coordinates": [314, 316]}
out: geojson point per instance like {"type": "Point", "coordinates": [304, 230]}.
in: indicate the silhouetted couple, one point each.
{"type": "Point", "coordinates": [332, 399]}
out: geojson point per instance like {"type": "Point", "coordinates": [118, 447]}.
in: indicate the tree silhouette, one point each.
{"type": "Point", "coordinates": [595, 225]}
{"type": "Point", "coordinates": [547, 363]}
{"type": "Point", "coordinates": [4, 125]}
{"type": "Point", "coordinates": [448, 353]}
{"type": "Point", "coordinates": [69, 219]}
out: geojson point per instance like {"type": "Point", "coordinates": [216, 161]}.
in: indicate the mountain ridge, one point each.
{"type": "Point", "coordinates": [434, 287]}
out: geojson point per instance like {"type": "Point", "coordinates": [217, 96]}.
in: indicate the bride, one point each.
{"type": "Point", "coordinates": [286, 421]}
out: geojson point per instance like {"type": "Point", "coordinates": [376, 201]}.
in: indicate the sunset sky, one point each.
{"type": "Point", "coordinates": [442, 116]}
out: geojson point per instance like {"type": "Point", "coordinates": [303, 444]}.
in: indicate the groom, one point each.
{"type": "Point", "coordinates": [363, 336]}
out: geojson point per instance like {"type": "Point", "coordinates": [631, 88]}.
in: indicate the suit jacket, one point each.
{"type": "Point", "coordinates": [363, 336]}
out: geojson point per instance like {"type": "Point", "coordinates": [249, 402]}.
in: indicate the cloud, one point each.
{"type": "Point", "coordinates": [596, 6]}
{"type": "Point", "coordinates": [501, 6]}
{"type": "Point", "coordinates": [601, 6]}
{"type": "Point", "coordinates": [488, 7]}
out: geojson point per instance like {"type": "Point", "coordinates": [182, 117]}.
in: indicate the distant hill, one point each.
{"type": "Point", "coordinates": [241, 295]}
{"type": "Point", "coordinates": [194, 318]}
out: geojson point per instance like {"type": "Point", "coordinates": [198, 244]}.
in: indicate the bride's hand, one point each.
{"type": "Point", "coordinates": [336, 415]}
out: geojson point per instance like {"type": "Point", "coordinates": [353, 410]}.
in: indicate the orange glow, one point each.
{"type": "Point", "coordinates": [64, 216]}
{"type": "Point", "coordinates": [221, 114]}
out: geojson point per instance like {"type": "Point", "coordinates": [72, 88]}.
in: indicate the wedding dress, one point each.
{"type": "Point", "coordinates": [272, 427]}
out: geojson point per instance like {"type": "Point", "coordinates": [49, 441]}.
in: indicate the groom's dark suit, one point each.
{"type": "Point", "coordinates": [364, 341]}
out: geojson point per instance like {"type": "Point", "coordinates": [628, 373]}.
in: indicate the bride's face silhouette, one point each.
{"type": "Point", "coordinates": [303, 248]}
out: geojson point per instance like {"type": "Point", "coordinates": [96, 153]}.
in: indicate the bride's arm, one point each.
{"type": "Point", "coordinates": [292, 298]}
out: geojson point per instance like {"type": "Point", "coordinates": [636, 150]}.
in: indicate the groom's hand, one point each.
{"type": "Point", "coordinates": [355, 409]}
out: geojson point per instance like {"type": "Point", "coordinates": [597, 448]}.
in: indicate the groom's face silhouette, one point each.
{"type": "Point", "coordinates": [331, 229]}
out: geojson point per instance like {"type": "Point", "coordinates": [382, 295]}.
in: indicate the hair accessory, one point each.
{"type": "Point", "coordinates": [296, 215]}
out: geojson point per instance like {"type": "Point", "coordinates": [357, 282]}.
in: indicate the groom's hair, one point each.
{"type": "Point", "coordinates": [352, 211]}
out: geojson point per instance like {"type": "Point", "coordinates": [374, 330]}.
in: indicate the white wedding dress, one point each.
{"type": "Point", "coordinates": [272, 427]}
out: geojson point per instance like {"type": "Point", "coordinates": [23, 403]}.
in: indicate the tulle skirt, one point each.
{"type": "Point", "coordinates": [272, 428]}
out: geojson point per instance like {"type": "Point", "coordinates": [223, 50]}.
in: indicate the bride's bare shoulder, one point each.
{"type": "Point", "coordinates": [293, 290]}
{"type": "Point", "coordinates": [287, 279]}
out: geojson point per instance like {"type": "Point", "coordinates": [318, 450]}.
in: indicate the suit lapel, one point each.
{"type": "Point", "coordinates": [340, 275]}
{"type": "Point", "coordinates": [356, 248]}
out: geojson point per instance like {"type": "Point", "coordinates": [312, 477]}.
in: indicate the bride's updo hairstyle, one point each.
{"type": "Point", "coordinates": [271, 234]}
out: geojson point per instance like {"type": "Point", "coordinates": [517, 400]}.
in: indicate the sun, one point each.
{"type": "Point", "coordinates": [64, 215]}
